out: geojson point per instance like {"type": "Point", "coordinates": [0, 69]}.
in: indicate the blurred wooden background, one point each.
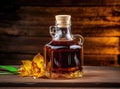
{"type": "Point", "coordinates": [24, 28]}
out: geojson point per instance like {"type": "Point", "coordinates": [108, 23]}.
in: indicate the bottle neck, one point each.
{"type": "Point", "coordinates": [63, 33]}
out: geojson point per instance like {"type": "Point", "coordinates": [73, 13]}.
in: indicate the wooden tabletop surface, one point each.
{"type": "Point", "coordinates": [94, 76]}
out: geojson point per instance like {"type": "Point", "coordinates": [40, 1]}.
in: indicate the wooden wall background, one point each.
{"type": "Point", "coordinates": [24, 28]}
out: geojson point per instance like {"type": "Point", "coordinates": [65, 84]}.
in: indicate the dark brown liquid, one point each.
{"type": "Point", "coordinates": [63, 57]}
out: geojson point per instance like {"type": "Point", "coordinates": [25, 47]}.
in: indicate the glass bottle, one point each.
{"type": "Point", "coordinates": [64, 53]}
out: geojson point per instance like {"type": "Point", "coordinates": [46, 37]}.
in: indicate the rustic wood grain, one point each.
{"type": "Point", "coordinates": [24, 28]}
{"type": "Point", "coordinates": [94, 60]}
{"type": "Point", "coordinates": [87, 23]}
{"type": "Point", "coordinates": [14, 58]}
{"type": "Point", "coordinates": [44, 31]}
{"type": "Point", "coordinates": [69, 2]}
{"type": "Point", "coordinates": [101, 45]}
{"type": "Point", "coordinates": [23, 44]}
{"type": "Point", "coordinates": [105, 45]}
{"type": "Point", "coordinates": [38, 48]}
{"type": "Point", "coordinates": [94, 77]}
{"type": "Point", "coordinates": [101, 60]}
{"type": "Point", "coordinates": [87, 12]}
{"type": "Point", "coordinates": [102, 41]}
{"type": "Point", "coordinates": [97, 31]}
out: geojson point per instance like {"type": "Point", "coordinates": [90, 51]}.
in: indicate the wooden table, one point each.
{"type": "Point", "coordinates": [94, 78]}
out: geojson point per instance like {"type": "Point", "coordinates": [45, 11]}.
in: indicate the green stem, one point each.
{"type": "Point", "coordinates": [10, 69]}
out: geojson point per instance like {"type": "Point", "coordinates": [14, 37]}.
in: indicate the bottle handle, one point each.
{"type": "Point", "coordinates": [78, 38]}
{"type": "Point", "coordinates": [52, 30]}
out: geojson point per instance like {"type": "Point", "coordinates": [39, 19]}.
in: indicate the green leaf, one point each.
{"type": "Point", "coordinates": [11, 69]}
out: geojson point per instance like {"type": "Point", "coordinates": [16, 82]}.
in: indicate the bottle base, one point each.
{"type": "Point", "coordinates": [75, 74]}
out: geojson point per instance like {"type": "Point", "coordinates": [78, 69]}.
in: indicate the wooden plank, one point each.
{"type": "Point", "coordinates": [81, 16]}
{"type": "Point", "coordinates": [89, 41]}
{"type": "Point", "coordinates": [96, 31]}
{"type": "Point", "coordinates": [101, 45]}
{"type": "Point", "coordinates": [106, 41]}
{"type": "Point", "coordinates": [23, 44]}
{"type": "Point", "coordinates": [101, 41]}
{"type": "Point", "coordinates": [94, 76]}
{"type": "Point", "coordinates": [87, 28]}
{"type": "Point", "coordinates": [39, 31]}
{"type": "Point", "coordinates": [90, 12]}
{"type": "Point", "coordinates": [89, 60]}
{"type": "Point", "coordinates": [69, 2]}
{"type": "Point", "coordinates": [87, 23]}
{"type": "Point", "coordinates": [101, 60]}
{"type": "Point", "coordinates": [88, 18]}
{"type": "Point", "coordinates": [14, 58]}
{"type": "Point", "coordinates": [49, 88]}
{"type": "Point", "coordinates": [24, 40]}
{"type": "Point", "coordinates": [101, 50]}
{"type": "Point", "coordinates": [81, 11]}
{"type": "Point", "coordinates": [38, 48]}
{"type": "Point", "coordinates": [43, 16]}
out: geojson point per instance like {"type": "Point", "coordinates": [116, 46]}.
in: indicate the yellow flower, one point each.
{"type": "Point", "coordinates": [35, 68]}
{"type": "Point", "coordinates": [25, 69]}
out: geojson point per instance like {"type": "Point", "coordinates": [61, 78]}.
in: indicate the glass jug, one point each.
{"type": "Point", "coordinates": [64, 53]}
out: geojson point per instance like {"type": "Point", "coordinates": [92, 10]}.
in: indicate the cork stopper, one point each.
{"type": "Point", "coordinates": [63, 20]}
